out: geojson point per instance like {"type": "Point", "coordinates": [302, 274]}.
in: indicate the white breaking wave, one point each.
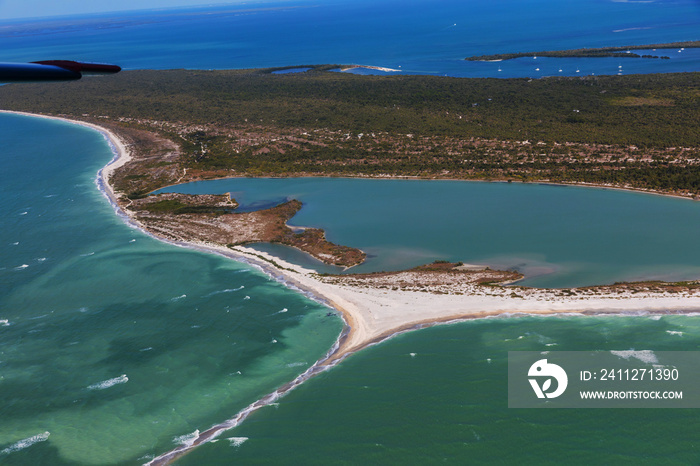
{"type": "Point", "coordinates": [109, 383]}
{"type": "Point", "coordinates": [27, 442]}
{"type": "Point", "coordinates": [230, 290]}
{"type": "Point", "coordinates": [630, 29]}
{"type": "Point", "coordinates": [237, 441]}
{"type": "Point", "coordinates": [21, 267]}
{"type": "Point", "coordinates": [646, 356]}
{"type": "Point", "coordinates": [187, 439]}
{"type": "Point", "coordinates": [297, 364]}
{"type": "Point", "coordinates": [213, 432]}
{"type": "Point", "coordinates": [674, 332]}
{"type": "Point", "coordinates": [4, 323]}
{"type": "Point", "coordinates": [177, 298]}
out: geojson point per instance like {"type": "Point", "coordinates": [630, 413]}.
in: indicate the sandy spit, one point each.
{"type": "Point", "coordinates": [373, 315]}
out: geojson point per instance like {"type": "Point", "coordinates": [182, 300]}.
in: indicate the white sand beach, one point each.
{"type": "Point", "coordinates": [374, 314]}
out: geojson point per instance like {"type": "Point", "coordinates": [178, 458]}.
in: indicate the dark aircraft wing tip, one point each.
{"type": "Point", "coordinates": [52, 70]}
{"type": "Point", "coordinates": [81, 67]}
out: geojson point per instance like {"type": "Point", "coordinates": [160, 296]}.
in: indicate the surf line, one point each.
{"type": "Point", "coordinates": [214, 432]}
{"type": "Point", "coordinates": [122, 156]}
{"type": "Point", "coordinates": [333, 357]}
{"type": "Point", "coordinates": [338, 353]}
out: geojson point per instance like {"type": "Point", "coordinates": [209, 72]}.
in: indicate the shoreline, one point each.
{"type": "Point", "coordinates": [581, 184]}
{"type": "Point", "coordinates": [368, 67]}
{"type": "Point", "coordinates": [373, 315]}
{"type": "Point", "coordinates": [121, 157]}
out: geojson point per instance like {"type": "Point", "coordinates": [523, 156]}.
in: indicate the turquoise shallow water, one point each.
{"type": "Point", "coordinates": [115, 343]}
{"type": "Point", "coordinates": [558, 236]}
{"type": "Point", "coordinates": [439, 396]}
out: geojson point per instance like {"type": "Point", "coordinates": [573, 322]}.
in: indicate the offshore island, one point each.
{"type": "Point", "coordinates": [602, 52]}
{"type": "Point", "coordinates": [169, 127]}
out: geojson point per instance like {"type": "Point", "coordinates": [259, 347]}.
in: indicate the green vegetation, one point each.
{"type": "Point", "coordinates": [173, 206]}
{"type": "Point", "coordinates": [639, 130]}
{"type": "Point", "coordinates": [513, 109]}
{"type": "Point", "coordinates": [622, 52]}
{"type": "Point", "coordinates": [165, 206]}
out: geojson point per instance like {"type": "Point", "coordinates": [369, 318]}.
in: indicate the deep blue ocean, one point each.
{"type": "Point", "coordinates": [415, 36]}
{"type": "Point", "coordinates": [115, 347]}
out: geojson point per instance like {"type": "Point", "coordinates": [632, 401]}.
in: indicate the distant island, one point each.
{"type": "Point", "coordinates": [622, 52]}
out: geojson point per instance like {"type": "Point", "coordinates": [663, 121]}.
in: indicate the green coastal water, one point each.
{"type": "Point", "coordinates": [439, 396]}
{"type": "Point", "coordinates": [115, 347]}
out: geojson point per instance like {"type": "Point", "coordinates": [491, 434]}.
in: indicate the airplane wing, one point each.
{"type": "Point", "coordinates": [52, 70]}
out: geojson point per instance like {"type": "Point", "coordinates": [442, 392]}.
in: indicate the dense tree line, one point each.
{"type": "Point", "coordinates": [586, 109]}
{"type": "Point", "coordinates": [649, 112]}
